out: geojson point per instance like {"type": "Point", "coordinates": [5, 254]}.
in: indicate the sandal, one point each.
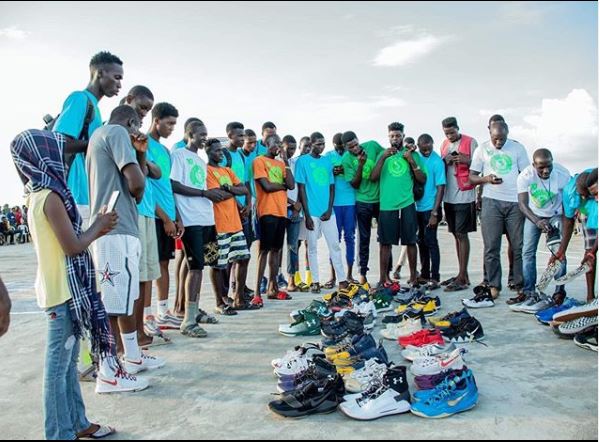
{"type": "Point", "coordinates": [205, 318]}
{"type": "Point", "coordinates": [246, 306]}
{"type": "Point", "coordinates": [194, 331]}
{"type": "Point", "coordinates": [225, 310]}
{"type": "Point", "coordinates": [102, 432]}
{"type": "Point", "coordinates": [280, 296]}
{"type": "Point", "coordinates": [303, 288]}
{"type": "Point", "coordinates": [329, 284]}
{"type": "Point", "coordinates": [315, 288]}
{"type": "Point", "coordinates": [454, 287]}
{"type": "Point", "coordinates": [448, 281]}
{"type": "Point", "coordinates": [257, 300]}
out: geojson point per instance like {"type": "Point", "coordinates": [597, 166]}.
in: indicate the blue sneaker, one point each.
{"type": "Point", "coordinates": [459, 395]}
{"type": "Point", "coordinates": [545, 316]}
{"type": "Point", "coordinates": [263, 285]}
{"type": "Point", "coordinates": [281, 282]}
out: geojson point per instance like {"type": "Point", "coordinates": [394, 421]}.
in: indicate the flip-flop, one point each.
{"type": "Point", "coordinates": [454, 287]}
{"type": "Point", "coordinates": [246, 306]}
{"type": "Point", "coordinates": [280, 296]}
{"type": "Point", "coordinates": [194, 331]}
{"type": "Point", "coordinates": [448, 281]}
{"type": "Point", "coordinates": [225, 311]}
{"type": "Point", "coordinates": [329, 285]}
{"type": "Point", "coordinates": [257, 300]}
{"type": "Point", "coordinates": [102, 432]}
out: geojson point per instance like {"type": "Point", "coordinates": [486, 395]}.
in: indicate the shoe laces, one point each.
{"type": "Point", "coordinates": [122, 374]}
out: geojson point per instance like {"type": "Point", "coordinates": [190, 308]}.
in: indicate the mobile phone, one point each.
{"type": "Point", "coordinates": [498, 180]}
{"type": "Point", "coordinates": [112, 203]}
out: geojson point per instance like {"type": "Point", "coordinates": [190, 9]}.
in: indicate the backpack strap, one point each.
{"type": "Point", "coordinates": [89, 116]}
{"type": "Point", "coordinates": [228, 159]}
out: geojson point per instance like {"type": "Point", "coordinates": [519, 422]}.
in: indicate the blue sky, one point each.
{"type": "Point", "coordinates": [319, 66]}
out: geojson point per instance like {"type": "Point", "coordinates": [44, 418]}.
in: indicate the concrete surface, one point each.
{"type": "Point", "coordinates": [532, 384]}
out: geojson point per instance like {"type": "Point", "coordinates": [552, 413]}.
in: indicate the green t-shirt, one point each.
{"type": "Point", "coordinates": [396, 181]}
{"type": "Point", "coordinates": [368, 192]}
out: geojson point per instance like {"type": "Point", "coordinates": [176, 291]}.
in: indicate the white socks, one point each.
{"type": "Point", "coordinates": [131, 347]}
{"type": "Point", "coordinates": [163, 307]}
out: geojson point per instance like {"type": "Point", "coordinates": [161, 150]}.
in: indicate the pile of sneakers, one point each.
{"type": "Point", "coordinates": [579, 323]}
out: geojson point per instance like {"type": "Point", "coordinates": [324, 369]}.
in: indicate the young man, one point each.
{"type": "Point", "coordinates": [429, 212]}
{"type": "Point", "coordinates": [305, 147]}
{"type": "Point", "coordinates": [410, 143]}
{"type": "Point", "coordinates": [580, 200]}
{"type": "Point", "coordinates": [141, 99]}
{"type": "Point", "coordinates": [268, 129]}
{"type": "Point", "coordinates": [273, 180]}
{"type": "Point", "coordinates": [459, 198]}
{"type": "Point", "coordinates": [316, 188]}
{"type": "Point", "coordinates": [167, 222]}
{"type": "Point", "coordinates": [500, 161]}
{"type": "Point", "coordinates": [344, 207]}
{"type": "Point", "coordinates": [5, 307]}
{"type": "Point", "coordinates": [358, 163]}
{"type": "Point", "coordinates": [540, 188]}
{"type": "Point", "coordinates": [180, 268]}
{"type": "Point", "coordinates": [234, 158]}
{"type": "Point", "coordinates": [195, 204]}
{"type": "Point", "coordinates": [398, 214]}
{"type": "Point", "coordinates": [113, 164]}
{"type": "Point", "coordinates": [79, 119]}
{"type": "Point", "coordinates": [295, 218]}
{"type": "Point", "coordinates": [232, 242]}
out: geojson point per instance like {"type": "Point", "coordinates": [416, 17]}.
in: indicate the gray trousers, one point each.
{"type": "Point", "coordinates": [496, 216]}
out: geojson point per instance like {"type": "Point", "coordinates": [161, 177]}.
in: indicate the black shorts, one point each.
{"type": "Point", "coordinates": [200, 246]}
{"type": "Point", "coordinates": [272, 232]}
{"type": "Point", "coordinates": [248, 232]}
{"type": "Point", "coordinates": [166, 244]}
{"type": "Point", "coordinates": [394, 229]}
{"type": "Point", "coordinates": [461, 218]}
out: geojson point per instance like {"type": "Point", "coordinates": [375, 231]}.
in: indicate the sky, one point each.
{"type": "Point", "coordinates": [326, 66]}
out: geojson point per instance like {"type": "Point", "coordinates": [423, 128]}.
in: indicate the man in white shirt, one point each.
{"type": "Point", "coordinates": [496, 166]}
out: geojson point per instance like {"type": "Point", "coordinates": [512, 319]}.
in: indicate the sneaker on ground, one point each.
{"type": "Point", "coordinates": [146, 362]}
{"type": "Point", "coordinates": [436, 364]}
{"type": "Point", "coordinates": [121, 382]}
{"type": "Point", "coordinates": [460, 395]}
{"type": "Point", "coordinates": [466, 331]}
{"type": "Point", "coordinates": [412, 353]}
{"type": "Point", "coordinates": [151, 328]}
{"type": "Point", "coordinates": [545, 316]}
{"type": "Point", "coordinates": [422, 338]}
{"type": "Point", "coordinates": [589, 309]}
{"type": "Point", "coordinates": [360, 380]}
{"type": "Point", "coordinates": [536, 303]}
{"type": "Point", "coordinates": [588, 339]}
{"type": "Point", "coordinates": [577, 325]}
{"type": "Point", "coordinates": [401, 330]}
{"type": "Point", "coordinates": [482, 300]}
{"type": "Point", "coordinates": [169, 321]}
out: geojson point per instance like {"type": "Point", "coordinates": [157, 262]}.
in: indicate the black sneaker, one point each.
{"type": "Point", "coordinates": [588, 339]}
{"type": "Point", "coordinates": [467, 330]}
{"type": "Point", "coordinates": [407, 314]}
{"type": "Point", "coordinates": [318, 397]}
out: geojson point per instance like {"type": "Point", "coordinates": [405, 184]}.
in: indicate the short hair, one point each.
{"type": "Point", "coordinates": [249, 133]}
{"type": "Point", "coordinates": [141, 91]}
{"type": "Point", "coordinates": [409, 140]}
{"type": "Point", "coordinates": [268, 125]}
{"type": "Point", "coordinates": [501, 124]}
{"type": "Point", "coordinates": [396, 126]}
{"type": "Point", "coordinates": [123, 113]}
{"type": "Point", "coordinates": [266, 141]}
{"type": "Point", "coordinates": [211, 141]}
{"type": "Point", "coordinates": [104, 57]}
{"type": "Point", "coordinates": [316, 136]}
{"type": "Point", "coordinates": [190, 121]}
{"type": "Point", "coordinates": [288, 139]}
{"type": "Point", "coordinates": [348, 136]}
{"type": "Point", "coordinates": [425, 138]}
{"type": "Point", "coordinates": [304, 139]}
{"type": "Point", "coordinates": [337, 138]}
{"type": "Point", "coordinates": [592, 178]}
{"type": "Point", "coordinates": [192, 126]}
{"type": "Point", "coordinates": [542, 154]}
{"type": "Point", "coordinates": [496, 118]}
{"type": "Point", "coordinates": [233, 126]}
{"type": "Point", "coordinates": [449, 122]}
{"type": "Point", "coordinates": [164, 110]}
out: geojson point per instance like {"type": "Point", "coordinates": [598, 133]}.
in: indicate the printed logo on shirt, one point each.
{"type": "Point", "coordinates": [223, 179]}
{"type": "Point", "coordinates": [540, 196]}
{"type": "Point", "coordinates": [275, 173]}
{"type": "Point", "coordinates": [164, 163]}
{"type": "Point", "coordinates": [501, 163]}
{"type": "Point", "coordinates": [197, 174]}
{"type": "Point", "coordinates": [319, 175]}
{"type": "Point", "coordinates": [367, 169]}
{"type": "Point", "coordinates": [397, 166]}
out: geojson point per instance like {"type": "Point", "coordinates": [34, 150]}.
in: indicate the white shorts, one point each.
{"type": "Point", "coordinates": [303, 232]}
{"type": "Point", "coordinates": [149, 265]}
{"type": "Point", "coordinates": [117, 259]}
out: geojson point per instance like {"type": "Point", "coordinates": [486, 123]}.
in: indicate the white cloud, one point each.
{"type": "Point", "coordinates": [408, 51]}
{"type": "Point", "coordinates": [567, 126]}
{"type": "Point", "coordinates": [14, 33]}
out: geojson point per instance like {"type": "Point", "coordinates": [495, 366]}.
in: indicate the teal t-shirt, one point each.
{"type": "Point", "coordinates": [161, 188]}
{"type": "Point", "coordinates": [261, 149]}
{"type": "Point", "coordinates": [317, 176]}
{"type": "Point", "coordinates": [368, 192]}
{"type": "Point", "coordinates": [435, 170]}
{"type": "Point", "coordinates": [147, 207]}
{"type": "Point", "coordinates": [238, 165]}
{"type": "Point", "coordinates": [396, 182]}
{"type": "Point", "coordinates": [70, 122]}
{"type": "Point", "coordinates": [345, 195]}
{"type": "Point", "coordinates": [572, 202]}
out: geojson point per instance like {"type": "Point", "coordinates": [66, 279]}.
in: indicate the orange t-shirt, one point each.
{"type": "Point", "coordinates": [274, 204]}
{"type": "Point", "coordinates": [227, 217]}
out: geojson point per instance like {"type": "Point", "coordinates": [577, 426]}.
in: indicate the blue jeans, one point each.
{"type": "Point", "coordinates": [346, 223]}
{"type": "Point", "coordinates": [531, 239]}
{"type": "Point", "coordinates": [365, 212]}
{"type": "Point", "coordinates": [293, 231]}
{"type": "Point", "coordinates": [429, 249]}
{"type": "Point", "coordinates": [64, 410]}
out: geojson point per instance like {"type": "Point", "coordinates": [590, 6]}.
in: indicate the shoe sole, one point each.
{"type": "Point", "coordinates": [309, 413]}
{"type": "Point", "coordinates": [586, 346]}
{"type": "Point", "coordinates": [572, 316]}
{"type": "Point", "coordinates": [406, 407]}
{"type": "Point", "coordinates": [127, 390]}
{"type": "Point", "coordinates": [443, 415]}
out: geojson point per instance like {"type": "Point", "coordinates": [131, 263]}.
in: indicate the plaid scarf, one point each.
{"type": "Point", "coordinates": [38, 156]}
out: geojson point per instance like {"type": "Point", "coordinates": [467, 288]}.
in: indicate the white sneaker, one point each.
{"type": "Point", "coordinates": [147, 362]}
{"type": "Point", "coordinates": [536, 304]}
{"type": "Point", "coordinates": [436, 364]}
{"type": "Point", "coordinates": [577, 325]}
{"type": "Point", "coordinates": [151, 327]}
{"type": "Point", "coordinates": [360, 380]}
{"type": "Point", "coordinates": [479, 301]}
{"type": "Point", "coordinates": [276, 363]}
{"type": "Point", "coordinates": [401, 329]}
{"type": "Point", "coordinates": [412, 353]}
{"type": "Point", "coordinates": [292, 367]}
{"type": "Point", "coordinates": [385, 402]}
{"type": "Point", "coordinates": [121, 382]}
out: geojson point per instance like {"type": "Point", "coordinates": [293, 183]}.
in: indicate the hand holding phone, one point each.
{"type": "Point", "coordinates": [112, 202]}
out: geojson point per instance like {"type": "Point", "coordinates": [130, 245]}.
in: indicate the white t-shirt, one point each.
{"type": "Point", "coordinates": [505, 163]}
{"type": "Point", "coordinates": [453, 194]}
{"type": "Point", "coordinates": [190, 170]}
{"type": "Point", "coordinates": [545, 196]}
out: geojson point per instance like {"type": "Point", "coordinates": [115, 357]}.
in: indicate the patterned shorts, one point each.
{"type": "Point", "coordinates": [232, 248]}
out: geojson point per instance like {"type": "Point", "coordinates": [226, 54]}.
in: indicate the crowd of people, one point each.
{"type": "Point", "coordinates": [270, 193]}
{"type": "Point", "coordinates": [13, 225]}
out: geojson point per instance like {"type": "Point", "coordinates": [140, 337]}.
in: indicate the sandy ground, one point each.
{"type": "Point", "coordinates": [531, 383]}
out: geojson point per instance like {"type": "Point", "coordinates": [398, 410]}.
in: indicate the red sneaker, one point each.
{"type": "Point", "coordinates": [422, 338]}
